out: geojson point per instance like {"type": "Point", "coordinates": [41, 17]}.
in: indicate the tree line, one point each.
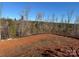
{"type": "Point", "coordinates": [10, 28]}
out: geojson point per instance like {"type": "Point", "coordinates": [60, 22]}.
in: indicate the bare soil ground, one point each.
{"type": "Point", "coordinates": [42, 45]}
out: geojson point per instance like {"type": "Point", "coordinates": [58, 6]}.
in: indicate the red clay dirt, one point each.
{"type": "Point", "coordinates": [40, 45]}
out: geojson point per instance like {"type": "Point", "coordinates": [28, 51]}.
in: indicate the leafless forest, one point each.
{"type": "Point", "coordinates": [11, 28]}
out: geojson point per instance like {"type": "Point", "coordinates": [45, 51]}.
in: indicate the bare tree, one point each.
{"type": "Point", "coordinates": [69, 18]}
{"type": "Point", "coordinates": [53, 18]}
{"type": "Point", "coordinates": [62, 18]}
{"type": "Point", "coordinates": [76, 26]}
{"type": "Point", "coordinates": [0, 18]}
{"type": "Point", "coordinates": [62, 24]}
{"type": "Point", "coordinates": [39, 19]}
{"type": "Point", "coordinates": [56, 24]}
{"type": "Point", "coordinates": [39, 16]}
{"type": "Point", "coordinates": [24, 24]}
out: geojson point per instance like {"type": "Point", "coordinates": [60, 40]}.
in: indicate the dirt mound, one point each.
{"type": "Point", "coordinates": [40, 45]}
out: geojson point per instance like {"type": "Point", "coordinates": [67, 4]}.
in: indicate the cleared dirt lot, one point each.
{"type": "Point", "coordinates": [40, 45]}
